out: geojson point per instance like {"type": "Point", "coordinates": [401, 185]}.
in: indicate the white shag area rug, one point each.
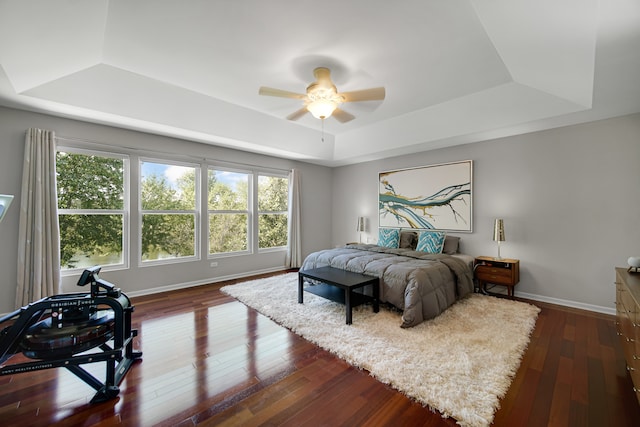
{"type": "Point", "coordinates": [460, 363]}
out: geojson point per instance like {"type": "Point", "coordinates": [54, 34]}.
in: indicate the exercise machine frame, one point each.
{"type": "Point", "coordinates": [118, 358]}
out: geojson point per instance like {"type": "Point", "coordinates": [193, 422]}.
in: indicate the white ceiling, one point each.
{"type": "Point", "coordinates": [455, 71]}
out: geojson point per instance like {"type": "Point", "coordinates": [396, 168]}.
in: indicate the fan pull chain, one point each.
{"type": "Point", "coordinates": [322, 120]}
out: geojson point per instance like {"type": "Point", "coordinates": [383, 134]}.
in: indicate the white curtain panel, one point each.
{"type": "Point", "coordinates": [294, 251]}
{"type": "Point", "coordinates": [38, 233]}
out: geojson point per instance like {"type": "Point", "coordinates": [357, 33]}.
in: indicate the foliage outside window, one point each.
{"type": "Point", "coordinates": [168, 208]}
{"type": "Point", "coordinates": [92, 208]}
{"type": "Point", "coordinates": [228, 208]}
{"type": "Point", "coordinates": [273, 195]}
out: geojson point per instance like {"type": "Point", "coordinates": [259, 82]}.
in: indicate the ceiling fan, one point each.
{"type": "Point", "coordinates": [323, 99]}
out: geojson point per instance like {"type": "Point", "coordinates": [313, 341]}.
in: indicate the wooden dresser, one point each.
{"type": "Point", "coordinates": [628, 321]}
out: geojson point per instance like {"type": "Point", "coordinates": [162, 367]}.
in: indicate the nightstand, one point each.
{"type": "Point", "coordinates": [505, 271]}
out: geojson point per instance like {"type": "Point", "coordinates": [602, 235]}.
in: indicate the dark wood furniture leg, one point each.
{"type": "Point", "coordinates": [376, 297]}
{"type": "Point", "coordinates": [300, 288]}
{"type": "Point", "coordinates": [347, 302]}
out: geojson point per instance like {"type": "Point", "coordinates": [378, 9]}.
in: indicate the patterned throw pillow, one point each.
{"type": "Point", "coordinates": [389, 237]}
{"type": "Point", "coordinates": [431, 241]}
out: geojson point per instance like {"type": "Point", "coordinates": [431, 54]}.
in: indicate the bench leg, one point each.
{"type": "Point", "coordinates": [300, 290]}
{"type": "Point", "coordinates": [376, 297]}
{"type": "Point", "coordinates": [347, 302]}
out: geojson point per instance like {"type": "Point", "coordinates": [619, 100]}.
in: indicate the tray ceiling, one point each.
{"type": "Point", "coordinates": [454, 71]}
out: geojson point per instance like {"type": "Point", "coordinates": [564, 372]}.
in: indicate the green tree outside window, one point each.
{"type": "Point", "coordinates": [273, 195]}
{"type": "Point", "coordinates": [228, 206]}
{"type": "Point", "coordinates": [91, 208]}
{"type": "Point", "coordinates": [168, 211]}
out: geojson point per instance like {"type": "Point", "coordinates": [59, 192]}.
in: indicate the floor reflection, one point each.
{"type": "Point", "coordinates": [195, 356]}
{"type": "Point", "coordinates": [198, 357]}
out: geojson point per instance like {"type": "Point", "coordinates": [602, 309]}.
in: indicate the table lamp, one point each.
{"type": "Point", "coordinates": [361, 226]}
{"type": "Point", "coordinates": [498, 234]}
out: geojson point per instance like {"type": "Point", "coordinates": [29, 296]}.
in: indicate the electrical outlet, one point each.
{"type": "Point", "coordinates": [213, 264]}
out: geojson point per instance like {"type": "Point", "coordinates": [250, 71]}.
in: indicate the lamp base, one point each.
{"type": "Point", "coordinates": [498, 258]}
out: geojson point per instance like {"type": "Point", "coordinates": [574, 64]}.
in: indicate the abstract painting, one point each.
{"type": "Point", "coordinates": [437, 197]}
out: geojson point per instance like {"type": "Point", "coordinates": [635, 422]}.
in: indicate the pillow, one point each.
{"type": "Point", "coordinates": [389, 237]}
{"type": "Point", "coordinates": [431, 241]}
{"type": "Point", "coordinates": [451, 244]}
{"type": "Point", "coordinates": [408, 239]}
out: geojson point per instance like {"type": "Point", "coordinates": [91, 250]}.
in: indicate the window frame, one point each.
{"type": "Point", "coordinates": [249, 212]}
{"type": "Point", "coordinates": [196, 212]}
{"type": "Point", "coordinates": [125, 211]}
{"type": "Point", "coordinates": [259, 212]}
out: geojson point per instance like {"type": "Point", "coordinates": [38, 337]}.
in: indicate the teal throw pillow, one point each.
{"type": "Point", "coordinates": [389, 237]}
{"type": "Point", "coordinates": [431, 241]}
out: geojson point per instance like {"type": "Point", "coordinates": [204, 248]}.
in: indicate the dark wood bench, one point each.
{"type": "Point", "coordinates": [338, 285]}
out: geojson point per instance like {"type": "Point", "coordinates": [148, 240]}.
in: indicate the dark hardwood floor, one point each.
{"type": "Point", "coordinates": [210, 360]}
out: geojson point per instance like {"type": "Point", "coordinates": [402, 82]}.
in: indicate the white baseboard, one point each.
{"type": "Point", "coordinates": [568, 303]}
{"type": "Point", "coordinates": [541, 298]}
{"type": "Point", "coordinates": [186, 285]}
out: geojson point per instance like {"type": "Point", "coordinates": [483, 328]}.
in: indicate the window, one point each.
{"type": "Point", "coordinates": [93, 207]}
{"type": "Point", "coordinates": [273, 195]}
{"type": "Point", "coordinates": [246, 209]}
{"type": "Point", "coordinates": [228, 208]}
{"type": "Point", "coordinates": [169, 195]}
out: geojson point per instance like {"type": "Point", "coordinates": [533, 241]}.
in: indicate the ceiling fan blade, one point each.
{"type": "Point", "coordinates": [297, 114]}
{"type": "Point", "coordinates": [342, 116]}
{"type": "Point", "coordinates": [374, 94]}
{"type": "Point", "coordinates": [269, 91]}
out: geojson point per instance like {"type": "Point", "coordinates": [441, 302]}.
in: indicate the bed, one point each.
{"type": "Point", "coordinates": [420, 284]}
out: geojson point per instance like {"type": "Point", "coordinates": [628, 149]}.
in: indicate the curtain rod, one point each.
{"type": "Point", "coordinates": [151, 153]}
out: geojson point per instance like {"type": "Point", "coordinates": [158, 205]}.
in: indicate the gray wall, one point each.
{"type": "Point", "coordinates": [315, 200]}
{"type": "Point", "coordinates": [570, 198]}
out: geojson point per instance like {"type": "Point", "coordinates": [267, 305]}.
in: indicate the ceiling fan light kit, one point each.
{"type": "Point", "coordinates": [322, 108]}
{"type": "Point", "coordinates": [322, 99]}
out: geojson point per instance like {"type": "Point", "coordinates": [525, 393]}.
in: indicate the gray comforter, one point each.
{"type": "Point", "coordinates": [421, 285]}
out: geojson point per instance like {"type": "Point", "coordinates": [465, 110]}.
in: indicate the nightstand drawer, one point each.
{"type": "Point", "coordinates": [494, 275]}
{"type": "Point", "coordinates": [493, 271]}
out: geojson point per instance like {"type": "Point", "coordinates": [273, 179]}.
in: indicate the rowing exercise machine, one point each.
{"type": "Point", "coordinates": [61, 331]}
